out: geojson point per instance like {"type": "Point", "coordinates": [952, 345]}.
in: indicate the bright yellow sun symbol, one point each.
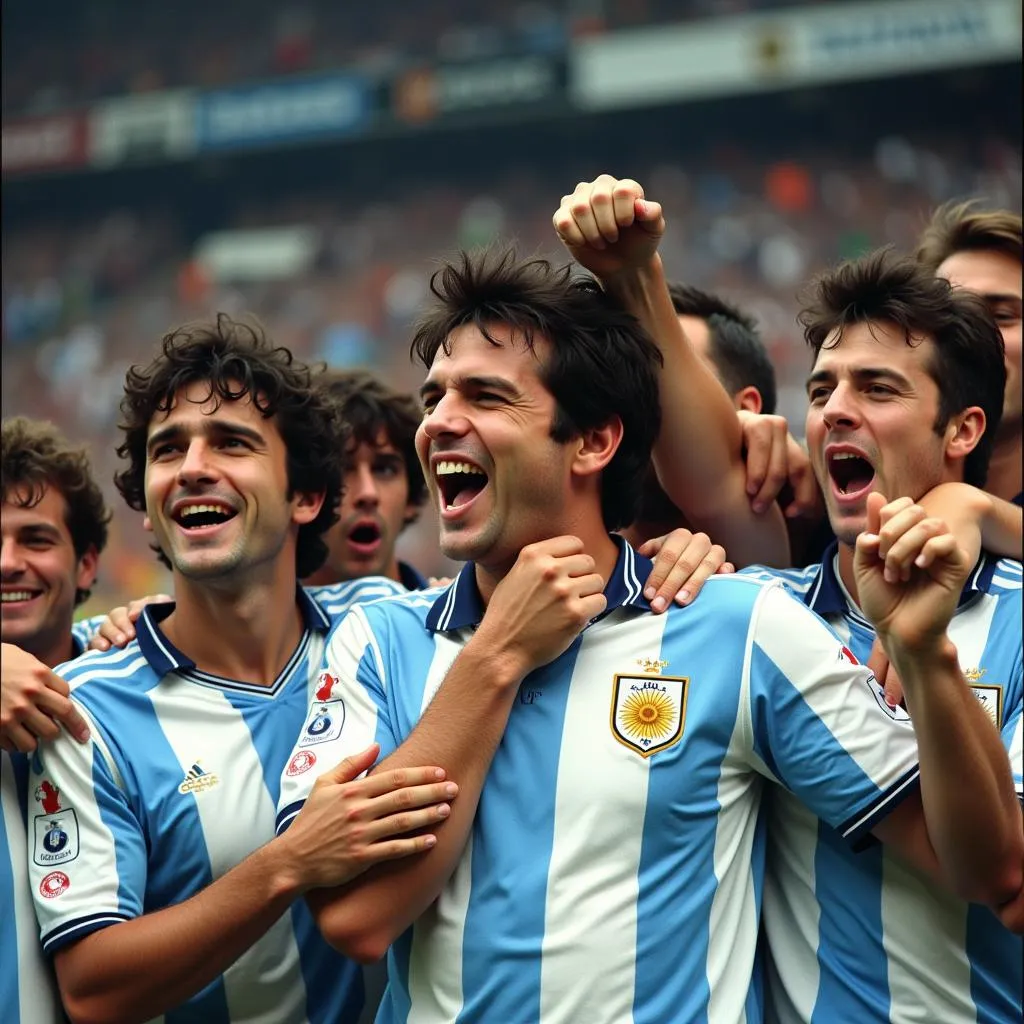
{"type": "Point", "coordinates": [647, 714]}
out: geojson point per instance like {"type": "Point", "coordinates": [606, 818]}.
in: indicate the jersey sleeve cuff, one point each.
{"type": "Point", "coordinates": [857, 830]}
{"type": "Point", "coordinates": [287, 815]}
{"type": "Point", "coordinates": [71, 931]}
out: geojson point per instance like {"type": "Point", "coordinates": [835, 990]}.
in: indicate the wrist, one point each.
{"type": "Point", "coordinates": [281, 870]}
{"type": "Point", "coordinates": [637, 280]}
{"type": "Point", "coordinates": [495, 660]}
{"type": "Point", "coordinates": [915, 656]}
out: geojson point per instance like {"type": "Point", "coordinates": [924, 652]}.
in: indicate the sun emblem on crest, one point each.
{"type": "Point", "coordinates": [647, 714]}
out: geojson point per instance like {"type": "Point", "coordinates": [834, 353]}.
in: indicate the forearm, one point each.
{"type": "Point", "coordinates": [460, 731]}
{"type": "Point", "coordinates": [140, 969]}
{"type": "Point", "coordinates": [971, 809]}
{"type": "Point", "coordinates": [698, 454]}
{"type": "Point", "coordinates": [1000, 522]}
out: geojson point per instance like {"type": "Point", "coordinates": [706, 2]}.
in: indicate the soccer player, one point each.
{"type": "Point", "coordinates": [53, 525]}
{"type": "Point", "coordinates": [158, 885]}
{"type": "Point", "coordinates": [907, 374]}
{"type": "Point", "coordinates": [610, 761]}
{"type": "Point", "coordinates": [384, 489]}
{"type": "Point", "coordinates": [981, 251]}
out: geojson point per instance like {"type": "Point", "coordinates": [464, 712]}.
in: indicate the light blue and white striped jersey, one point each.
{"type": "Point", "coordinates": [27, 988]}
{"type": "Point", "coordinates": [614, 869]}
{"type": "Point", "coordinates": [177, 785]}
{"type": "Point", "coordinates": [862, 937]}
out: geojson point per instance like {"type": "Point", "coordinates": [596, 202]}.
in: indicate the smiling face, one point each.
{"type": "Point", "coordinates": [870, 423]}
{"type": "Point", "coordinates": [39, 575]}
{"type": "Point", "coordinates": [374, 509]}
{"type": "Point", "coordinates": [996, 277]}
{"type": "Point", "coordinates": [217, 495]}
{"type": "Point", "coordinates": [499, 480]}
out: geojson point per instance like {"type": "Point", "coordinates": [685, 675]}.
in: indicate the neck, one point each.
{"type": "Point", "coordinates": [52, 650]}
{"type": "Point", "coordinates": [1004, 468]}
{"type": "Point", "coordinates": [596, 543]}
{"type": "Point", "coordinates": [245, 631]}
{"type": "Point", "coordinates": [846, 573]}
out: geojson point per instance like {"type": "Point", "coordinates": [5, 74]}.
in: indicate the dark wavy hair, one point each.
{"type": "Point", "coordinates": [602, 363]}
{"type": "Point", "coordinates": [967, 362]}
{"type": "Point", "coordinates": [236, 359]}
{"type": "Point", "coordinates": [734, 343]}
{"type": "Point", "coordinates": [35, 456]}
{"type": "Point", "coordinates": [962, 227]}
{"type": "Point", "coordinates": [368, 406]}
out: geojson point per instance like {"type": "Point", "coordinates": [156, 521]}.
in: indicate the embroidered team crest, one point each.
{"type": "Point", "coordinates": [990, 696]}
{"type": "Point", "coordinates": [56, 838]}
{"type": "Point", "coordinates": [323, 723]}
{"type": "Point", "coordinates": [648, 711]}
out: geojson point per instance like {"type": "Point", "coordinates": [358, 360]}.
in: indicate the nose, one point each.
{"type": "Point", "coordinates": [196, 467]}
{"type": "Point", "coordinates": [840, 410]}
{"type": "Point", "coordinates": [362, 486]}
{"type": "Point", "coordinates": [11, 561]}
{"type": "Point", "coordinates": [447, 418]}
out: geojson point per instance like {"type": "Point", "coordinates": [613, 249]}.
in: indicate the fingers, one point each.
{"type": "Point", "coordinates": [392, 779]}
{"type": "Point", "coordinates": [596, 211]}
{"type": "Point", "coordinates": [807, 498]}
{"type": "Point", "coordinates": [726, 568]}
{"type": "Point", "coordinates": [353, 766]}
{"type": "Point", "coordinates": [396, 849]}
{"type": "Point", "coordinates": [765, 439]}
{"type": "Point", "coordinates": [16, 737]}
{"type": "Point", "coordinates": [116, 630]}
{"type": "Point", "coordinates": [556, 547]}
{"type": "Point", "coordinates": [873, 515]}
{"type": "Point", "coordinates": [72, 720]}
{"type": "Point", "coordinates": [681, 576]}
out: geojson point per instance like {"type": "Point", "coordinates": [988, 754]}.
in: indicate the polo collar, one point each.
{"type": "Point", "coordinates": [459, 605]}
{"type": "Point", "coordinates": [164, 657]}
{"type": "Point", "coordinates": [827, 595]}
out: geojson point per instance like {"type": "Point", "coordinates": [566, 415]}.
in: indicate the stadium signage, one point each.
{"type": "Point", "coordinates": [281, 112]}
{"type": "Point", "coordinates": [44, 143]}
{"type": "Point", "coordinates": [426, 93]}
{"type": "Point", "coordinates": [150, 128]}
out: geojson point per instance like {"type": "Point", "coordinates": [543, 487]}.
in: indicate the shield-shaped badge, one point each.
{"type": "Point", "coordinates": [990, 696]}
{"type": "Point", "coordinates": [648, 711]}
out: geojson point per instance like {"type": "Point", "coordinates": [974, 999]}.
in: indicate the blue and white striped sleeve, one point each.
{"type": "Point", "coordinates": [820, 722]}
{"type": "Point", "coordinates": [349, 711]}
{"type": "Point", "coordinates": [86, 847]}
{"type": "Point", "coordinates": [1013, 740]}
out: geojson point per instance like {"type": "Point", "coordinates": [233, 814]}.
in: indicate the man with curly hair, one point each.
{"type": "Point", "coordinates": [53, 526]}
{"type": "Point", "coordinates": [158, 885]}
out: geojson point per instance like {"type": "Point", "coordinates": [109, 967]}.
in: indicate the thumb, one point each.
{"type": "Point", "coordinates": [354, 765]}
{"type": "Point", "coordinates": [873, 521]}
{"type": "Point", "coordinates": [648, 215]}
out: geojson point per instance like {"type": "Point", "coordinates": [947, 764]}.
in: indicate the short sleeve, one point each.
{"type": "Point", "coordinates": [820, 721]}
{"type": "Point", "coordinates": [86, 847]}
{"type": "Point", "coordinates": [349, 711]}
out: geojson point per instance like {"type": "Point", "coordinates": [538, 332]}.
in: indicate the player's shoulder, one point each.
{"type": "Point", "coordinates": [1007, 578]}
{"type": "Point", "coordinates": [403, 607]}
{"type": "Point", "coordinates": [122, 667]}
{"type": "Point", "coordinates": [337, 598]}
{"type": "Point", "coordinates": [796, 581]}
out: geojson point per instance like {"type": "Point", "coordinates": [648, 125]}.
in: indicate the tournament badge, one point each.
{"type": "Point", "coordinates": [55, 831]}
{"type": "Point", "coordinates": [323, 723]}
{"type": "Point", "coordinates": [648, 709]}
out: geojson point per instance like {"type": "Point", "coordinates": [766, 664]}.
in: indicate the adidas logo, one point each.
{"type": "Point", "coordinates": [197, 780]}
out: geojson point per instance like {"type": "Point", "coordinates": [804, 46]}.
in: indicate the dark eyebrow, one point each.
{"type": "Point", "coordinates": [993, 297]}
{"type": "Point", "coordinates": [863, 373]}
{"type": "Point", "coordinates": [478, 383]}
{"type": "Point", "coordinates": [211, 428]}
{"type": "Point", "coordinates": [47, 528]}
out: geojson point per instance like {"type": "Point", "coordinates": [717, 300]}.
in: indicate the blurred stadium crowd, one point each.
{"type": "Point", "coordinates": [759, 192]}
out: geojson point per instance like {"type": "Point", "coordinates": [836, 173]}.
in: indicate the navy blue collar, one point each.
{"type": "Point", "coordinates": [826, 594]}
{"type": "Point", "coordinates": [459, 605]}
{"type": "Point", "coordinates": [164, 657]}
{"type": "Point", "coordinates": [78, 647]}
{"type": "Point", "coordinates": [410, 578]}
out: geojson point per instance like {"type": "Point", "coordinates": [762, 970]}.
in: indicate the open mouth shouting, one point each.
{"type": "Point", "coordinates": [459, 484]}
{"type": "Point", "coordinates": [850, 472]}
{"type": "Point", "coordinates": [365, 537]}
{"type": "Point", "coordinates": [202, 518]}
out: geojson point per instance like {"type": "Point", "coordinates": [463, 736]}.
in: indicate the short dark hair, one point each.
{"type": "Point", "coordinates": [368, 406]}
{"type": "Point", "coordinates": [237, 359]}
{"type": "Point", "coordinates": [735, 345]}
{"type": "Point", "coordinates": [967, 365]}
{"type": "Point", "coordinates": [962, 227]}
{"type": "Point", "coordinates": [602, 363]}
{"type": "Point", "coordinates": [36, 457]}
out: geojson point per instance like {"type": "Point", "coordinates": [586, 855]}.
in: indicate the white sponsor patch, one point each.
{"type": "Point", "coordinates": [55, 838]}
{"type": "Point", "coordinates": [323, 723]}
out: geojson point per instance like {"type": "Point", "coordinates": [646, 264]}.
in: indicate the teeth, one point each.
{"type": "Point", "coordinates": [16, 595]}
{"type": "Point", "coordinates": [191, 510]}
{"type": "Point", "coordinates": [448, 468]}
{"type": "Point", "coordinates": [844, 455]}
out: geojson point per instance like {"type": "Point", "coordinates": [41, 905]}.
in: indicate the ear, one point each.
{"type": "Point", "coordinates": [595, 448]}
{"type": "Point", "coordinates": [748, 398]}
{"type": "Point", "coordinates": [306, 506]}
{"type": "Point", "coordinates": [963, 432]}
{"type": "Point", "coordinates": [87, 567]}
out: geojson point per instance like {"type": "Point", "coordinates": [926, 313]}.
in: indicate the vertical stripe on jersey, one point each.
{"type": "Point", "coordinates": [435, 954]}
{"type": "Point", "coordinates": [233, 798]}
{"type": "Point", "coordinates": [588, 958]}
